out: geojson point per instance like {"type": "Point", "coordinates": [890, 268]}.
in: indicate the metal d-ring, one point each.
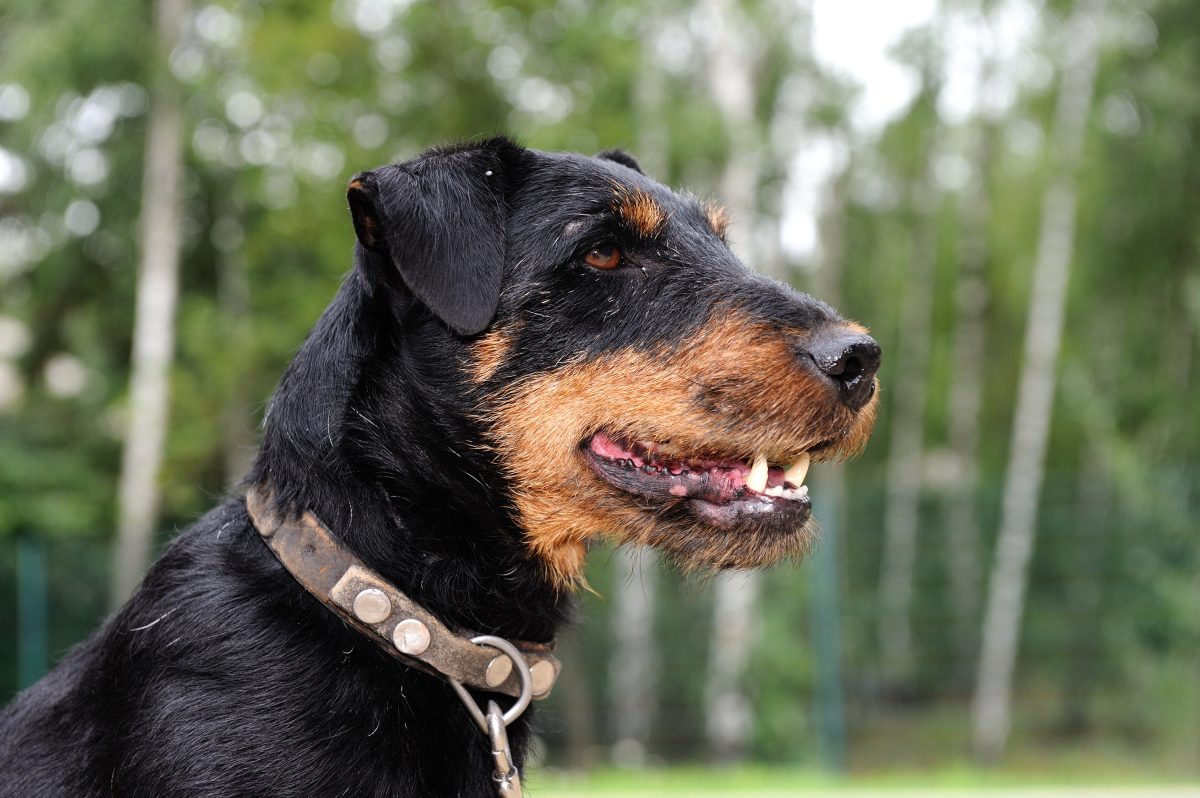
{"type": "Point", "coordinates": [523, 699]}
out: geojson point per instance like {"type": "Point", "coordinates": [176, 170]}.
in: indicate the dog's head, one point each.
{"type": "Point", "coordinates": [624, 371]}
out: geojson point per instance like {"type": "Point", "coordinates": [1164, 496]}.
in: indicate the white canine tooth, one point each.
{"type": "Point", "coordinates": [756, 480]}
{"type": "Point", "coordinates": [798, 471]}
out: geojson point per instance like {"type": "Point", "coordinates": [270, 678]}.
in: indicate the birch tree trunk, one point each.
{"type": "Point", "coordinates": [1035, 394]}
{"type": "Point", "coordinates": [633, 669]}
{"type": "Point", "coordinates": [729, 718]}
{"type": "Point", "coordinates": [907, 433]}
{"type": "Point", "coordinates": [966, 401]}
{"type": "Point", "coordinates": [154, 323]}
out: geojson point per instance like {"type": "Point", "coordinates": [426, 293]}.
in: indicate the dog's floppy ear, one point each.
{"type": "Point", "coordinates": [621, 157]}
{"type": "Point", "coordinates": [441, 220]}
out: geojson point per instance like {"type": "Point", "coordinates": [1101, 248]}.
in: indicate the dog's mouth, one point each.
{"type": "Point", "coordinates": [722, 491]}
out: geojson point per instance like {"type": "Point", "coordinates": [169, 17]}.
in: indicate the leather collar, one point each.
{"type": "Point", "coordinates": [382, 612]}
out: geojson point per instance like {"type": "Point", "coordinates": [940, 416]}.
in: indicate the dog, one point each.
{"type": "Point", "coordinates": [532, 349]}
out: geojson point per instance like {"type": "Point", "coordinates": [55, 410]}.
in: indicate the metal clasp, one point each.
{"type": "Point", "coordinates": [506, 776]}
{"type": "Point", "coordinates": [494, 723]}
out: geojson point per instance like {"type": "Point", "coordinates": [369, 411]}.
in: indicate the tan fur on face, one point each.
{"type": "Point", "coordinates": [737, 388]}
{"type": "Point", "coordinates": [640, 211]}
{"type": "Point", "coordinates": [489, 352]}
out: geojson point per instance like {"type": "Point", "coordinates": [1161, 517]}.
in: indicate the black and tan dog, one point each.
{"type": "Point", "coordinates": [532, 350]}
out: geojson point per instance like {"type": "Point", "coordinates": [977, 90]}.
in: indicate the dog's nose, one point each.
{"type": "Point", "coordinates": [850, 359]}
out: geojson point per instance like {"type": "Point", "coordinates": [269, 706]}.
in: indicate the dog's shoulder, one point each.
{"type": "Point", "coordinates": [112, 686]}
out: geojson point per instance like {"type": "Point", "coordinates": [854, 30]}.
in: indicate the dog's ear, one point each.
{"type": "Point", "coordinates": [441, 220]}
{"type": "Point", "coordinates": [623, 158]}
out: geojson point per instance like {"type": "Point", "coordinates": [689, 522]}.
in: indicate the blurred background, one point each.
{"type": "Point", "coordinates": [1006, 191]}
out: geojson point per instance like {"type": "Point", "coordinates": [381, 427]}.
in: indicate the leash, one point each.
{"type": "Point", "coordinates": [409, 632]}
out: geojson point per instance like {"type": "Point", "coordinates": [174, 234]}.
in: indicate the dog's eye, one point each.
{"type": "Point", "coordinates": [605, 256]}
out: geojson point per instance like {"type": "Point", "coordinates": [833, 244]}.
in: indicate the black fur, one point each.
{"type": "Point", "coordinates": [623, 158]}
{"type": "Point", "coordinates": [221, 676]}
{"type": "Point", "coordinates": [441, 220]}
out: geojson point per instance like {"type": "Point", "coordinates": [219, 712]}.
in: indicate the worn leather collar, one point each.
{"type": "Point", "coordinates": [382, 612]}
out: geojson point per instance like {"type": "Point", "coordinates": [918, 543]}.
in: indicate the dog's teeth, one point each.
{"type": "Point", "coordinates": [798, 471]}
{"type": "Point", "coordinates": [791, 494]}
{"type": "Point", "coordinates": [756, 480]}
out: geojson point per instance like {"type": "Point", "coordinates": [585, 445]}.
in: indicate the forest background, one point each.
{"type": "Point", "coordinates": [1006, 191]}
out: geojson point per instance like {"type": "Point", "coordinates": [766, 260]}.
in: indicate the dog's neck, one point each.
{"type": "Point", "coordinates": [356, 435]}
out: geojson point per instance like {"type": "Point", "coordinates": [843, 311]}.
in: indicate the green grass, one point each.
{"type": "Point", "coordinates": [764, 782]}
{"type": "Point", "coordinates": [926, 751]}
